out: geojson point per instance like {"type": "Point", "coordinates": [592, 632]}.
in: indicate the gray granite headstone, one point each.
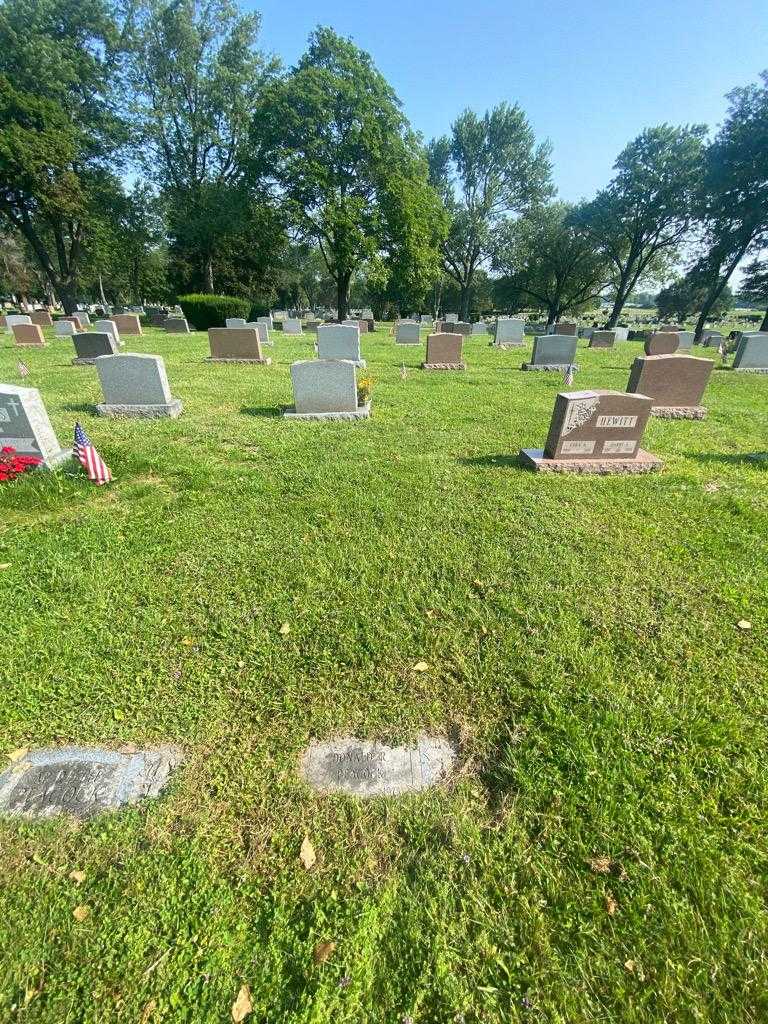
{"type": "Point", "coordinates": [83, 781]}
{"type": "Point", "coordinates": [752, 353]}
{"type": "Point", "coordinates": [84, 318]}
{"type": "Point", "coordinates": [686, 339]}
{"type": "Point", "coordinates": [509, 331]}
{"type": "Point", "coordinates": [64, 328]}
{"type": "Point", "coordinates": [88, 347]}
{"type": "Point", "coordinates": [325, 389]}
{"type": "Point", "coordinates": [292, 326]}
{"type": "Point", "coordinates": [135, 385]}
{"type": "Point", "coordinates": [340, 341]}
{"type": "Point", "coordinates": [552, 351]}
{"type": "Point", "coordinates": [622, 333]}
{"type": "Point", "coordinates": [451, 318]}
{"type": "Point", "coordinates": [109, 327]}
{"type": "Point", "coordinates": [262, 330]}
{"type": "Point", "coordinates": [234, 321]}
{"type": "Point", "coordinates": [407, 333]}
{"type": "Point", "coordinates": [480, 327]}
{"type": "Point", "coordinates": [17, 318]}
{"type": "Point", "coordinates": [426, 318]}
{"type": "Point", "coordinates": [24, 425]}
{"type": "Point", "coordinates": [364, 768]}
{"type": "Point", "coordinates": [176, 325]}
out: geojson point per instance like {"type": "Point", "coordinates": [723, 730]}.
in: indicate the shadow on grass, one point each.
{"type": "Point", "coordinates": [80, 407]}
{"type": "Point", "coordinates": [262, 410]}
{"type": "Point", "coordinates": [758, 459]}
{"type": "Point", "coordinates": [491, 460]}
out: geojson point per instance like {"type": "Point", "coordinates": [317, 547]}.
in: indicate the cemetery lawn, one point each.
{"type": "Point", "coordinates": [601, 854]}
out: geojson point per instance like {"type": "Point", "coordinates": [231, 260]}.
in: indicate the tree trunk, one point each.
{"type": "Point", "coordinates": [342, 294]}
{"type": "Point", "coordinates": [764, 324]}
{"type": "Point", "coordinates": [208, 274]}
{"type": "Point", "coordinates": [618, 304]}
{"type": "Point", "coordinates": [714, 294]}
{"type": "Point", "coordinates": [464, 301]}
{"type": "Point", "coordinates": [67, 292]}
{"type": "Point", "coordinates": [101, 293]}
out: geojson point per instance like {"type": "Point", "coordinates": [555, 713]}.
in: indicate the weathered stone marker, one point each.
{"type": "Point", "coordinates": [83, 781]}
{"type": "Point", "coordinates": [135, 386]}
{"type": "Point", "coordinates": [109, 327]}
{"type": "Point", "coordinates": [235, 345]}
{"type": "Point", "coordinates": [595, 432]}
{"type": "Point", "coordinates": [127, 323]}
{"type": "Point", "coordinates": [675, 384]}
{"type": "Point", "coordinates": [176, 325]}
{"type": "Point", "coordinates": [292, 326]}
{"type": "Point", "coordinates": [602, 339]}
{"type": "Point", "coordinates": [41, 317]}
{"type": "Point", "coordinates": [365, 769]}
{"type": "Point", "coordinates": [444, 352]}
{"type": "Point", "coordinates": [567, 328]}
{"type": "Point", "coordinates": [24, 425]}
{"type": "Point", "coordinates": [64, 328]}
{"type": "Point", "coordinates": [509, 332]}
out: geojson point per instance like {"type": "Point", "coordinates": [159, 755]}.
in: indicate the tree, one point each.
{"type": "Point", "coordinates": [17, 276]}
{"type": "Point", "coordinates": [733, 199]}
{"type": "Point", "coordinates": [639, 220]}
{"type": "Point", "coordinates": [59, 127]}
{"type": "Point", "coordinates": [549, 261]}
{"type": "Point", "coordinates": [332, 141]}
{"type": "Point", "coordinates": [754, 287]}
{"type": "Point", "coordinates": [681, 299]}
{"type": "Point", "coordinates": [197, 76]}
{"type": "Point", "coordinates": [487, 170]}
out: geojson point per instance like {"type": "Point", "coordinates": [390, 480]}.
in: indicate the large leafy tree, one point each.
{"type": "Point", "coordinates": [754, 287]}
{"type": "Point", "coordinates": [682, 298]}
{"type": "Point", "coordinates": [333, 143]}
{"type": "Point", "coordinates": [733, 199]}
{"type": "Point", "coordinates": [548, 261]}
{"type": "Point", "coordinates": [197, 75]}
{"type": "Point", "coordinates": [640, 219]}
{"type": "Point", "coordinates": [60, 130]}
{"type": "Point", "coordinates": [488, 170]}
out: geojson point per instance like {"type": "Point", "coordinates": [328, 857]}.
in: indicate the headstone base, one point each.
{"type": "Point", "coordinates": [554, 367]}
{"type": "Point", "coordinates": [643, 462]}
{"type": "Point", "coordinates": [147, 412]}
{"type": "Point", "coordinates": [362, 413]}
{"type": "Point", "coordinates": [750, 369]}
{"type": "Point", "coordinates": [443, 366]}
{"type": "Point", "coordinates": [407, 343]}
{"type": "Point", "coordinates": [262, 362]}
{"type": "Point", "coordinates": [507, 344]}
{"type": "Point", "coordinates": [58, 460]}
{"type": "Point", "coordinates": [83, 361]}
{"type": "Point", "coordinates": [679, 412]}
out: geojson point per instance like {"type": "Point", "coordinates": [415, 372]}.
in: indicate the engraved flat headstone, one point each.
{"type": "Point", "coordinates": [662, 343]}
{"type": "Point", "coordinates": [509, 332]}
{"type": "Point", "coordinates": [83, 781]}
{"type": "Point", "coordinates": [135, 386]}
{"type": "Point", "coordinates": [340, 341]}
{"type": "Point", "coordinates": [89, 346]}
{"type": "Point", "coordinates": [28, 335]}
{"type": "Point", "coordinates": [326, 389]}
{"type": "Point", "coordinates": [365, 768]}
{"type": "Point", "coordinates": [408, 332]}
{"type": "Point", "coordinates": [127, 323]}
{"type": "Point", "coordinates": [554, 352]}
{"type": "Point", "coordinates": [595, 432]}
{"type": "Point", "coordinates": [675, 384]}
{"type": "Point", "coordinates": [236, 345]}
{"type": "Point", "coordinates": [24, 425]}
{"type": "Point", "coordinates": [444, 352]}
{"type": "Point", "coordinates": [752, 354]}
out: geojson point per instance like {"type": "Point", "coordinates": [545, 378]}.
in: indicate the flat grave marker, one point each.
{"type": "Point", "coordinates": [365, 768]}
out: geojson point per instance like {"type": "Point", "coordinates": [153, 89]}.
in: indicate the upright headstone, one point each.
{"type": "Point", "coordinates": [711, 339]}
{"type": "Point", "coordinates": [622, 333]}
{"type": "Point", "coordinates": [17, 319]}
{"type": "Point", "coordinates": [426, 318]}
{"type": "Point", "coordinates": [158, 319]}
{"type": "Point", "coordinates": [752, 353]}
{"type": "Point", "coordinates": [109, 327]}
{"type": "Point", "coordinates": [451, 318]}
{"type": "Point", "coordinates": [509, 332]}
{"type": "Point", "coordinates": [74, 319]}
{"type": "Point", "coordinates": [674, 383]}
{"type": "Point", "coordinates": [176, 325]}
{"type": "Point", "coordinates": [595, 432]}
{"type": "Point", "coordinates": [292, 326]}
{"type": "Point", "coordinates": [266, 323]}
{"type": "Point", "coordinates": [444, 352]}
{"type": "Point", "coordinates": [25, 427]}
{"type": "Point", "coordinates": [480, 327]}
{"type": "Point", "coordinates": [407, 333]}
{"type": "Point", "coordinates": [686, 339]}
{"type": "Point", "coordinates": [42, 318]}
{"type": "Point", "coordinates": [567, 328]}
{"type": "Point", "coordinates": [64, 328]}
{"type": "Point", "coordinates": [662, 343]}
{"type": "Point", "coordinates": [461, 327]}
{"type": "Point", "coordinates": [135, 386]}
{"type": "Point", "coordinates": [127, 323]}
{"type": "Point", "coordinates": [92, 344]}
{"type": "Point", "coordinates": [340, 341]}
{"type": "Point", "coordinates": [84, 318]}
{"type": "Point", "coordinates": [234, 321]}
{"type": "Point", "coordinates": [602, 339]}
{"type": "Point", "coordinates": [28, 335]}
{"type": "Point", "coordinates": [326, 389]}
{"type": "Point", "coordinates": [554, 352]}
{"type": "Point", "coordinates": [236, 345]}
{"type": "Point", "coordinates": [670, 329]}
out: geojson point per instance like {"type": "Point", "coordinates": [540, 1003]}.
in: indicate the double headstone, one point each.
{"type": "Point", "coordinates": [444, 352]}
{"type": "Point", "coordinates": [28, 335]}
{"type": "Point", "coordinates": [25, 427]}
{"type": "Point", "coordinates": [340, 341]}
{"type": "Point", "coordinates": [135, 386]}
{"type": "Point", "coordinates": [554, 352]}
{"type": "Point", "coordinates": [407, 332]}
{"type": "Point", "coordinates": [595, 432]}
{"type": "Point", "coordinates": [236, 345]}
{"type": "Point", "coordinates": [92, 344]}
{"type": "Point", "coordinates": [326, 389]}
{"type": "Point", "coordinates": [509, 332]}
{"type": "Point", "coordinates": [602, 339]}
{"type": "Point", "coordinates": [674, 383]}
{"type": "Point", "coordinates": [752, 353]}
{"type": "Point", "coordinates": [127, 323]}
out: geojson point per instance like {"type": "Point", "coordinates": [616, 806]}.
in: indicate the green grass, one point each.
{"type": "Point", "coordinates": [583, 650]}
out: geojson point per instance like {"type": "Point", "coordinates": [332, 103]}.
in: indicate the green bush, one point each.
{"type": "Point", "coordinates": [204, 311]}
{"type": "Point", "coordinates": [258, 309]}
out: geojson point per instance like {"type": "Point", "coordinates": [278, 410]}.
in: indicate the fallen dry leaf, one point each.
{"type": "Point", "coordinates": [187, 641]}
{"type": "Point", "coordinates": [5, 565]}
{"type": "Point", "coordinates": [600, 865]}
{"type": "Point", "coordinates": [307, 854]}
{"type": "Point", "coordinates": [420, 666]}
{"type": "Point", "coordinates": [711, 488]}
{"type": "Point", "coordinates": [18, 755]}
{"type": "Point", "coordinates": [744, 624]}
{"type": "Point", "coordinates": [285, 629]}
{"type": "Point", "coordinates": [77, 876]}
{"type": "Point", "coordinates": [430, 613]}
{"type": "Point", "coordinates": [611, 906]}
{"type": "Point", "coordinates": [630, 966]}
{"type": "Point", "coordinates": [147, 1012]}
{"type": "Point", "coordinates": [242, 1006]}
{"type": "Point", "coordinates": [80, 913]}
{"type": "Point", "coordinates": [323, 951]}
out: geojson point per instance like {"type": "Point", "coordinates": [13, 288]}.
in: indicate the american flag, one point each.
{"type": "Point", "coordinates": [97, 470]}
{"type": "Point", "coordinates": [23, 369]}
{"type": "Point", "coordinates": [568, 378]}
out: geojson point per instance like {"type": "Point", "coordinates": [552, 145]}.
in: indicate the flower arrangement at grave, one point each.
{"type": "Point", "coordinates": [364, 390]}
{"type": "Point", "coordinates": [12, 465]}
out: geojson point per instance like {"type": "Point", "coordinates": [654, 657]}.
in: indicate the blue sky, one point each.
{"type": "Point", "coordinates": [590, 75]}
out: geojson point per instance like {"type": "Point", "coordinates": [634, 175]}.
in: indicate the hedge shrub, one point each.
{"type": "Point", "coordinates": [204, 311]}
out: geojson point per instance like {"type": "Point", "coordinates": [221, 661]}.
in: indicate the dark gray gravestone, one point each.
{"type": "Point", "coordinates": [83, 781]}
{"type": "Point", "coordinates": [91, 345]}
{"type": "Point", "coordinates": [364, 768]}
